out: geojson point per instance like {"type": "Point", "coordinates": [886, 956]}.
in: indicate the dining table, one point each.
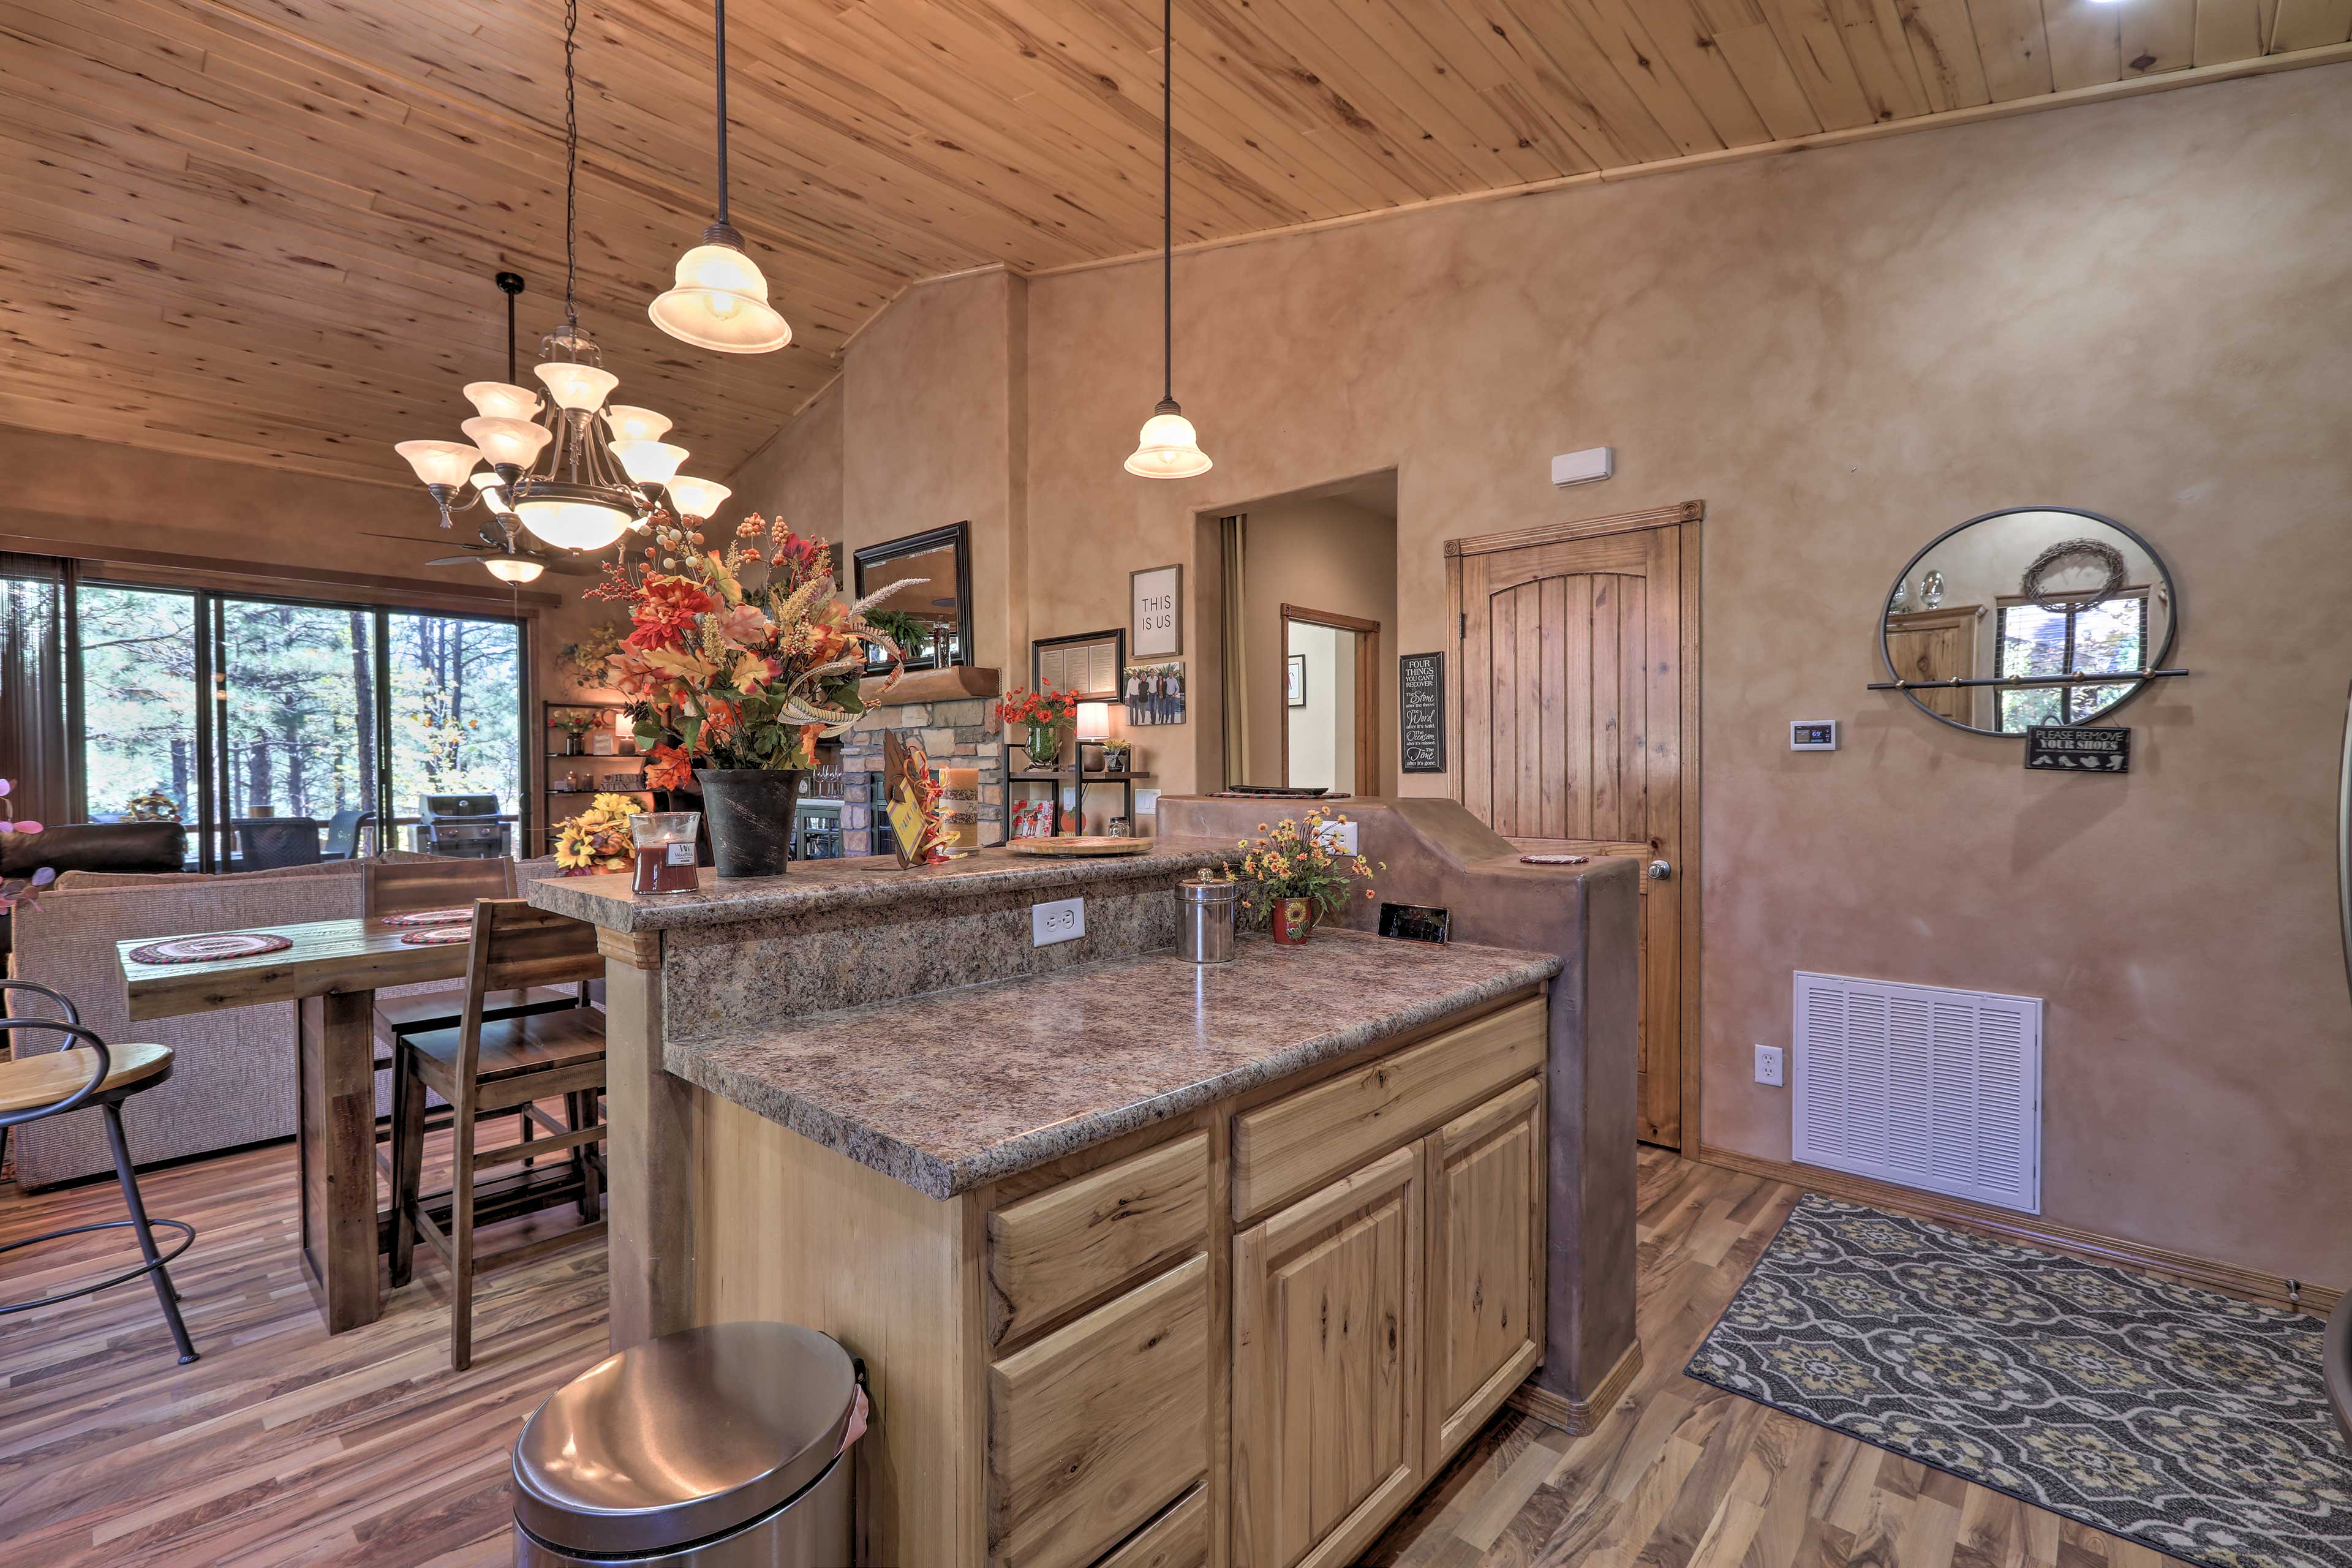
{"type": "Point", "coordinates": [331, 971]}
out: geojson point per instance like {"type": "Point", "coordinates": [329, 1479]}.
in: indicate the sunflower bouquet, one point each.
{"type": "Point", "coordinates": [598, 838]}
{"type": "Point", "coordinates": [739, 658]}
{"type": "Point", "coordinates": [1291, 877]}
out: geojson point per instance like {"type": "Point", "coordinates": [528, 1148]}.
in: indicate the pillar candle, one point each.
{"type": "Point", "coordinates": [959, 808]}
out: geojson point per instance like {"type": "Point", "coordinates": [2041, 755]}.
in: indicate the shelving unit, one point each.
{"type": "Point", "coordinates": [1057, 777]}
{"type": "Point", "coordinates": [557, 804]}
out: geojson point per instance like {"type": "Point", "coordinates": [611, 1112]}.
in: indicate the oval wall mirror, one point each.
{"type": "Point", "coordinates": [2035, 599]}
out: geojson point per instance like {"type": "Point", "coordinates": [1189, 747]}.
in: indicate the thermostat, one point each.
{"type": "Point", "coordinates": [1813, 734]}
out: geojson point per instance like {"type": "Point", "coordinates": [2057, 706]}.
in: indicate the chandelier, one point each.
{"type": "Point", "coordinates": [574, 469]}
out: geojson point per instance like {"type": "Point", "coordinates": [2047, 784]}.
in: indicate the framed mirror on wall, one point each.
{"type": "Point", "coordinates": [928, 613]}
{"type": "Point", "coordinates": [2009, 620]}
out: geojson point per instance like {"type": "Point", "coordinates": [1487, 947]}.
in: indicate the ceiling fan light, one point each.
{"type": "Point", "coordinates": [515, 442]}
{"type": "Point", "coordinates": [581, 386]}
{"type": "Point", "coordinates": [720, 302]}
{"type": "Point", "coordinates": [1168, 449]}
{"type": "Point", "coordinates": [698, 498]}
{"type": "Point", "coordinates": [514, 568]}
{"type": "Point", "coordinates": [501, 400]}
{"type": "Point", "coordinates": [439, 462]}
{"type": "Point", "coordinates": [635, 424]}
{"type": "Point", "coordinates": [648, 462]}
{"type": "Point", "coordinates": [571, 524]}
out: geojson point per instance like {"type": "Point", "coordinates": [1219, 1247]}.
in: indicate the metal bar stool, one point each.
{"type": "Point", "coordinates": [50, 1085]}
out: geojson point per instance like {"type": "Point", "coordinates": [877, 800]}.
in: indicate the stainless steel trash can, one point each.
{"type": "Point", "coordinates": [712, 1447]}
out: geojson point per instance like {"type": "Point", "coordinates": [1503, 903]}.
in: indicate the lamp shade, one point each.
{"type": "Point", "coordinates": [1094, 721]}
{"type": "Point", "coordinates": [1168, 449]}
{"type": "Point", "coordinates": [501, 399]}
{"type": "Point", "coordinates": [494, 492]}
{"type": "Point", "coordinates": [514, 568]}
{"type": "Point", "coordinates": [635, 424]}
{"type": "Point", "coordinates": [440, 462]}
{"type": "Point", "coordinates": [570, 524]}
{"type": "Point", "coordinates": [698, 498]}
{"type": "Point", "coordinates": [508, 442]}
{"type": "Point", "coordinates": [648, 462]}
{"type": "Point", "coordinates": [720, 302]}
{"type": "Point", "coordinates": [576, 385]}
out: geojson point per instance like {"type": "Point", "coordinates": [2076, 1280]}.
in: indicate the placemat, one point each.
{"type": "Point", "coordinates": [439, 936]}
{"type": "Point", "coordinates": [210, 948]}
{"type": "Point", "coordinates": [429, 917]}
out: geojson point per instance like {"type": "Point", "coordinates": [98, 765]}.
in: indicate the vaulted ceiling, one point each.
{"type": "Point", "coordinates": [266, 229]}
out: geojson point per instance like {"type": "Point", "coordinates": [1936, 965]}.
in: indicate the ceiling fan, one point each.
{"type": "Point", "coordinates": [502, 553]}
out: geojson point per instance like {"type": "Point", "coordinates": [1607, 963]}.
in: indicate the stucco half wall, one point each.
{"type": "Point", "coordinates": [2138, 307]}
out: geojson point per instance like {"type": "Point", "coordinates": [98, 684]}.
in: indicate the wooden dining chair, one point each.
{"type": "Point", "coordinates": [485, 1066]}
{"type": "Point", "coordinates": [402, 888]}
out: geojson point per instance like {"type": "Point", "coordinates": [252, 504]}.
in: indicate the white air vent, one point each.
{"type": "Point", "coordinates": [1915, 1084]}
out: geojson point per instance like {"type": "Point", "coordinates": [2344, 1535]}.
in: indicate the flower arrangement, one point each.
{"type": "Point", "coordinates": [19, 894]}
{"type": "Point", "coordinates": [598, 838]}
{"type": "Point", "coordinates": [1045, 711]}
{"type": "Point", "coordinates": [1292, 876]}
{"type": "Point", "coordinates": [738, 658]}
{"type": "Point", "coordinates": [585, 660]}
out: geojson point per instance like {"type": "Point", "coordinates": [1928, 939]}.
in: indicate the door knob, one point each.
{"type": "Point", "coordinates": [1659, 870]}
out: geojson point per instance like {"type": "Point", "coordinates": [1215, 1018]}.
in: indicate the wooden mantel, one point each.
{"type": "Point", "coordinates": [949, 685]}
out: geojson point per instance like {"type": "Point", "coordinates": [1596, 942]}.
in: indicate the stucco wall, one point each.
{"type": "Point", "coordinates": [2139, 308]}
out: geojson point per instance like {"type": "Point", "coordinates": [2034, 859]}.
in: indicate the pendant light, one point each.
{"type": "Point", "coordinates": [719, 298]}
{"type": "Point", "coordinates": [1168, 449]}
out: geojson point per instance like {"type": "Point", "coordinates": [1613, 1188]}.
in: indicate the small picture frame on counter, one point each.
{"type": "Point", "coordinates": [1416, 922]}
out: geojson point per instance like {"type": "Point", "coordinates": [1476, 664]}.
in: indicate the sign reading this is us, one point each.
{"type": "Point", "coordinates": [1156, 617]}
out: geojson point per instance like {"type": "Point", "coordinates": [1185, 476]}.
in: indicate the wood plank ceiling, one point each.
{"type": "Point", "coordinates": [265, 230]}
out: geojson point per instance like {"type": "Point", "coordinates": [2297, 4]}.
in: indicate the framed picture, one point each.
{"type": "Point", "coordinates": [1088, 663]}
{"type": "Point", "coordinates": [1154, 693]}
{"type": "Point", "coordinates": [1295, 694]}
{"type": "Point", "coordinates": [1157, 612]}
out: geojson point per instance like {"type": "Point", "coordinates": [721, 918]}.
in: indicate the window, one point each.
{"type": "Point", "coordinates": [319, 712]}
{"type": "Point", "coordinates": [2090, 638]}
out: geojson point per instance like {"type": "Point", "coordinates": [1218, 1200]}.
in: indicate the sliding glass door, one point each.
{"type": "Point", "coordinates": [331, 729]}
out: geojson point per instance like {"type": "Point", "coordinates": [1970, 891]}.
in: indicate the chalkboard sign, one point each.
{"type": "Point", "coordinates": [1420, 711]}
{"type": "Point", "coordinates": [2078, 749]}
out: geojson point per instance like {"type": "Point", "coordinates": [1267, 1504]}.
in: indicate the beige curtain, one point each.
{"type": "Point", "coordinates": [1232, 558]}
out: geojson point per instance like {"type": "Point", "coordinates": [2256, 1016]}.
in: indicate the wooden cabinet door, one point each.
{"type": "Point", "coordinates": [1937, 645]}
{"type": "Point", "coordinates": [1327, 1402]}
{"type": "Point", "coordinates": [1570, 714]}
{"type": "Point", "coordinates": [1485, 1262]}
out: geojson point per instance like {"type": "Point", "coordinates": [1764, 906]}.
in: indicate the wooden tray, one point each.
{"type": "Point", "coordinates": [1071, 845]}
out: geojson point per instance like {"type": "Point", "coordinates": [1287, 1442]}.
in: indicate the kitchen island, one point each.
{"type": "Point", "coordinates": [1146, 1263]}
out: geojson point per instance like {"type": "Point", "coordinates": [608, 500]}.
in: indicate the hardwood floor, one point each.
{"type": "Point", "coordinates": [282, 1446]}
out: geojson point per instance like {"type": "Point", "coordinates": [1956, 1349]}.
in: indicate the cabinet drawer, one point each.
{"type": "Point", "coordinates": [1066, 1244]}
{"type": "Point", "coordinates": [1177, 1539]}
{"type": "Point", "coordinates": [1094, 1428]}
{"type": "Point", "coordinates": [1283, 1148]}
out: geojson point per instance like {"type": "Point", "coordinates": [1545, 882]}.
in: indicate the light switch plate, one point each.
{"type": "Point", "coordinates": [1767, 1065]}
{"type": "Point", "coordinates": [1064, 919]}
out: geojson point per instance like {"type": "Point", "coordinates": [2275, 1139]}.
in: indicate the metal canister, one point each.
{"type": "Point", "coordinates": [1207, 920]}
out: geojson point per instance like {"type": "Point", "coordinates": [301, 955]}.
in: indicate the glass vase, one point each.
{"type": "Point", "coordinates": [1044, 743]}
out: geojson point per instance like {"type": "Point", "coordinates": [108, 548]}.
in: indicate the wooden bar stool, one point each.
{"type": "Point", "coordinates": [93, 1073]}
{"type": "Point", "coordinates": [486, 1066]}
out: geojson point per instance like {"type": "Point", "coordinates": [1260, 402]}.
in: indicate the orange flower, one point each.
{"type": "Point", "coordinates": [667, 768]}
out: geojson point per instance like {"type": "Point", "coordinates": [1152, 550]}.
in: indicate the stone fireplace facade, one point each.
{"type": "Point", "coordinates": [959, 732]}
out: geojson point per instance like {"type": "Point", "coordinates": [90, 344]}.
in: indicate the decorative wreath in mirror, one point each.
{"type": "Point", "coordinates": [2073, 553]}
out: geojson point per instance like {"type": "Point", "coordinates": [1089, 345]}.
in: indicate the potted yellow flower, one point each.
{"type": "Point", "coordinates": [597, 840]}
{"type": "Point", "coordinates": [1292, 878]}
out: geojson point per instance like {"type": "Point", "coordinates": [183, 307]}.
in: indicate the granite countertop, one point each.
{"type": "Point", "coordinates": [955, 1089]}
{"type": "Point", "coordinates": [866, 881]}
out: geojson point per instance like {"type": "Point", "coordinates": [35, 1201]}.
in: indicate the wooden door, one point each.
{"type": "Point", "coordinates": [1577, 713]}
{"type": "Point", "coordinates": [1485, 1267]}
{"type": "Point", "coordinates": [1327, 1406]}
{"type": "Point", "coordinates": [1937, 645]}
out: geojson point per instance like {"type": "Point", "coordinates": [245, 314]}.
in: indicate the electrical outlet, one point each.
{"type": "Point", "coordinates": [1338, 837]}
{"type": "Point", "coordinates": [1767, 1065]}
{"type": "Point", "coordinates": [1065, 919]}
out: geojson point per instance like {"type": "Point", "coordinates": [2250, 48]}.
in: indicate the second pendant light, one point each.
{"type": "Point", "coordinates": [719, 298]}
{"type": "Point", "coordinates": [1168, 449]}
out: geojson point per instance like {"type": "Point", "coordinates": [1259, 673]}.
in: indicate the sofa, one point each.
{"type": "Point", "coordinates": [233, 1081]}
{"type": "Point", "coordinates": [120, 847]}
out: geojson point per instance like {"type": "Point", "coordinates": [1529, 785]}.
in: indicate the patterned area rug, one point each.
{"type": "Point", "coordinates": [2189, 1422]}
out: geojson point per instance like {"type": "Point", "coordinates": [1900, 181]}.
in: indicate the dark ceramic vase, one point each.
{"type": "Point", "coordinates": [749, 811]}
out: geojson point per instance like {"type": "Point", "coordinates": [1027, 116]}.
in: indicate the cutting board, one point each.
{"type": "Point", "coordinates": [1070, 846]}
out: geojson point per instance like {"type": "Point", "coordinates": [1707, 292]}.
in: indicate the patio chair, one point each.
{"type": "Point", "coordinates": [273, 843]}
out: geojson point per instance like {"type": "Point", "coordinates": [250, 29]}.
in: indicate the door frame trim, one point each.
{"type": "Point", "coordinates": [1368, 686]}
{"type": "Point", "coordinates": [1686, 516]}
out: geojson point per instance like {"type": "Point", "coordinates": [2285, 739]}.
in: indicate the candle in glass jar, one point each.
{"type": "Point", "coordinates": [664, 842]}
